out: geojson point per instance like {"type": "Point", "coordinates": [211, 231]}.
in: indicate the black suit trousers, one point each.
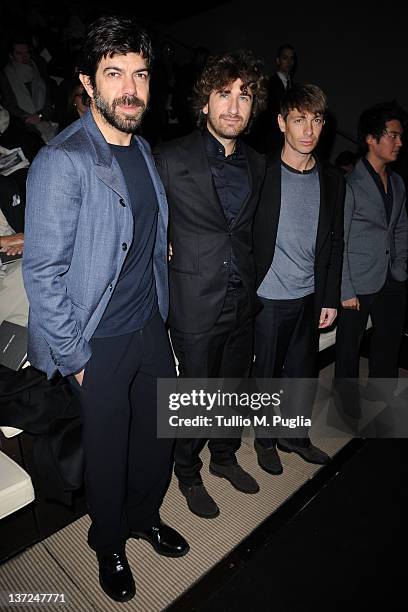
{"type": "Point", "coordinates": [127, 467]}
{"type": "Point", "coordinates": [286, 347]}
{"type": "Point", "coordinates": [387, 311]}
{"type": "Point", "coordinates": [223, 351]}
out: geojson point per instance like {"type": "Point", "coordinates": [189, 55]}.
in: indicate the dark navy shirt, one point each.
{"type": "Point", "coordinates": [134, 300]}
{"type": "Point", "coordinates": [232, 184]}
{"type": "Point", "coordinates": [387, 196]}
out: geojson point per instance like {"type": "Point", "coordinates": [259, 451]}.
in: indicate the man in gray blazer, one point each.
{"type": "Point", "coordinates": [376, 245]}
{"type": "Point", "coordinates": [95, 271]}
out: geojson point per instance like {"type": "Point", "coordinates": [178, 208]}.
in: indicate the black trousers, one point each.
{"type": "Point", "coordinates": [127, 469]}
{"type": "Point", "coordinates": [387, 311]}
{"type": "Point", "coordinates": [286, 346]}
{"type": "Point", "coordinates": [223, 351]}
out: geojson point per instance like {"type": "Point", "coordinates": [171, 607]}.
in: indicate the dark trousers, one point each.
{"type": "Point", "coordinates": [127, 469]}
{"type": "Point", "coordinates": [286, 346]}
{"type": "Point", "coordinates": [387, 311]}
{"type": "Point", "coordinates": [223, 351]}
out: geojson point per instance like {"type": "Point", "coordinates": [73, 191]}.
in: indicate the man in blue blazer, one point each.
{"type": "Point", "coordinates": [95, 271]}
{"type": "Point", "coordinates": [376, 246]}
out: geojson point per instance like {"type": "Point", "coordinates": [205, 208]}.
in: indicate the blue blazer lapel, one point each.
{"type": "Point", "coordinates": [107, 168]}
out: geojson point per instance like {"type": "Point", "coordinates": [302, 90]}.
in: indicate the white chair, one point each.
{"type": "Point", "coordinates": [16, 488]}
{"type": "Point", "coordinates": [327, 339]}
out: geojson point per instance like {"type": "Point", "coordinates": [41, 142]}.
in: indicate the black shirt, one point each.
{"type": "Point", "coordinates": [134, 300]}
{"type": "Point", "coordinates": [387, 196]}
{"type": "Point", "coordinates": [232, 184]}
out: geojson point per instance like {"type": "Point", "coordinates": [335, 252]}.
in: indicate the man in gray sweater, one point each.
{"type": "Point", "coordinates": [298, 248]}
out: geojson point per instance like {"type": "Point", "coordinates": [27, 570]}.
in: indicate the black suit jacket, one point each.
{"type": "Point", "coordinates": [199, 233]}
{"type": "Point", "coordinates": [330, 230]}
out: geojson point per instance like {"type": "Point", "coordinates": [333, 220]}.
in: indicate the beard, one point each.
{"type": "Point", "coordinates": [124, 123]}
{"type": "Point", "coordinates": [226, 131]}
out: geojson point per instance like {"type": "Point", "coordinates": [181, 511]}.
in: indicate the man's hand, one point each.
{"type": "Point", "coordinates": [32, 119]}
{"type": "Point", "coordinates": [80, 376]}
{"type": "Point", "coordinates": [12, 245]}
{"type": "Point", "coordinates": [351, 304]}
{"type": "Point", "coordinates": [327, 316]}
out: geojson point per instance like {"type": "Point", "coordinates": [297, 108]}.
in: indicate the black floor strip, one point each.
{"type": "Point", "coordinates": [233, 563]}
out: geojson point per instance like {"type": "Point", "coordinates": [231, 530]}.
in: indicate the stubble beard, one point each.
{"type": "Point", "coordinates": [224, 132]}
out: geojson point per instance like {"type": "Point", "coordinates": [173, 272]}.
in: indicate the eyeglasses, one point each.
{"type": "Point", "coordinates": [393, 135]}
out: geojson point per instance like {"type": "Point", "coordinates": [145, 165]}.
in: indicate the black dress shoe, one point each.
{"type": "Point", "coordinates": [268, 458]}
{"type": "Point", "coordinates": [199, 501]}
{"type": "Point", "coordinates": [310, 453]}
{"type": "Point", "coordinates": [165, 540]}
{"type": "Point", "coordinates": [238, 477]}
{"type": "Point", "coordinates": [115, 576]}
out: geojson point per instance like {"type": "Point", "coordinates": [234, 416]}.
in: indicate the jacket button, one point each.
{"type": "Point", "coordinates": [124, 246]}
{"type": "Point", "coordinates": [225, 264]}
{"type": "Point", "coordinates": [110, 287]}
{"type": "Point", "coordinates": [387, 252]}
{"type": "Point", "coordinates": [122, 202]}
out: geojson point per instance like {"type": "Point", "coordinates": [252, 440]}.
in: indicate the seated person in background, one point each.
{"type": "Point", "coordinates": [13, 299]}
{"type": "Point", "coordinates": [12, 198]}
{"type": "Point", "coordinates": [74, 104]}
{"type": "Point", "coordinates": [25, 91]}
{"type": "Point", "coordinates": [13, 134]}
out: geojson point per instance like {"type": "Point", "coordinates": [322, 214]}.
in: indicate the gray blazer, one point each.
{"type": "Point", "coordinates": [370, 244]}
{"type": "Point", "coordinates": [78, 217]}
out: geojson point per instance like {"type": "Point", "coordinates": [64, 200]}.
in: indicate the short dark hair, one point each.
{"type": "Point", "coordinates": [285, 46]}
{"type": "Point", "coordinates": [303, 97]}
{"type": "Point", "coordinates": [109, 35]}
{"type": "Point", "coordinates": [18, 38]}
{"type": "Point", "coordinates": [221, 70]}
{"type": "Point", "coordinates": [372, 121]}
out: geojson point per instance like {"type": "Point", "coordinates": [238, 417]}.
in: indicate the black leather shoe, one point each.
{"type": "Point", "coordinates": [268, 458]}
{"type": "Point", "coordinates": [239, 478]}
{"type": "Point", "coordinates": [165, 540]}
{"type": "Point", "coordinates": [310, 453]}
{"type": "Point", "coordinates": [115, 576]}
{"type": "Point", "coordinates": [199, 500]}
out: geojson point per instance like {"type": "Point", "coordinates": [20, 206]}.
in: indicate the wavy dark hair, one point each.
{"type": "Point", "coordinates": [109, 35]}
{"type": "Point", "coordinates": [303, 97]}
{"type": "Point", "coordinates": [221, 70]}
{"type": "Point", "coordinates": [372, 121]}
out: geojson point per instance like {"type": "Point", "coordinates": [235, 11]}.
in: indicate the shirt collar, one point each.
{"type": "Point", "coordinates": [216, 149]}
{"type": "Point", "coordinates": [373, 171]}
{"type": "Point", "coordinates": [283, 77]}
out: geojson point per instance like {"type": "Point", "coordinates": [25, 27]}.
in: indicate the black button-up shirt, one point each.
{"type": "Point", "coordinates": [232, 185]}
{"type": "Point", "coordinates": [387, 196]}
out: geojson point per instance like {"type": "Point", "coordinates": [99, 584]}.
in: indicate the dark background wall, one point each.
{"type": "Point", "coordinates": [356, 55]}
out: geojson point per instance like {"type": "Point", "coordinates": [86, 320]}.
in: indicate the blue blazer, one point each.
{"type": "Point", "coordinates": [78, 216]}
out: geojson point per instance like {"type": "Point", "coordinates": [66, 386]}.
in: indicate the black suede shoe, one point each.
{"type": "Point", "coordinates": [165, 540]}
{"type": "Point", "coordinates": [199, 501]}
{"type": "Point", "coordinates": [310, 453]}
{"type": "Point", "coordinates": [268, 458]}
{"type": "Point", "coordinates": [115, 576]}
{"type": "Point", "coordinates": [239, 478]}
